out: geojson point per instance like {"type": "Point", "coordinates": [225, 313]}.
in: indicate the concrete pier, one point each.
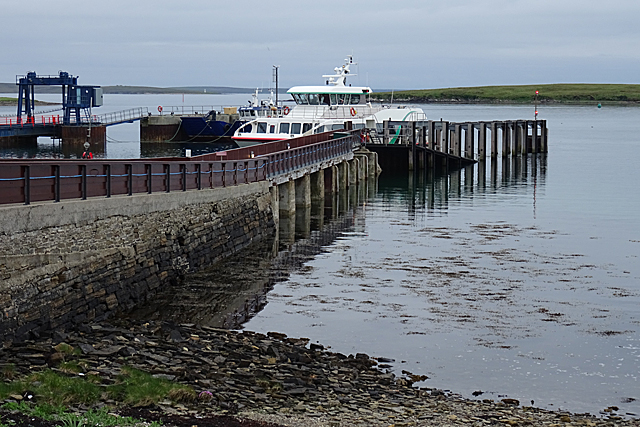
{"type": "Point", "coordinates": [170, 216]}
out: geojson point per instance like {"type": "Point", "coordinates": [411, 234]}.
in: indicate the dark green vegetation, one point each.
{"type": "Point", "coordinates": [58, 416]}
{"type": "Point", "coordinates": [64, 386]}
{"type": "Point", "coordinates": [212, 90]}
{"type": "Point", "coordinates": [14, 102]}
{"type": "Point", "coordinates": [553, 93]}
{"type": "Point", "coordinates": [47, 394]}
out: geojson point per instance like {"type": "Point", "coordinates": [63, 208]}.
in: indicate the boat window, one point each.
{"type": "Point", "coordinates": [313, 99]}
{"type": "Point", "coordinates": [334, 99]}
{"type": "Point", "coordinates": [247, 128]}
{"type": "Point", "coordinates": [320, 129]}
{"type": "Point", "coordinates": [284, 127]}
{"type": "Point", "coordinates": [272, 129]}
{"type": "Point", "coordinates": [262, 127]}
{"type": "Point", "coordinates": [306, 127]}
{"type": "Point", "coordinates": [324, 99]}
{"type": "Point", "coordinates": [358, 125]}
{"type": "Point", "coordinates": [336, 127]}
{"type": "Point", "coordinates": [296, 98]}
{"type": "Point", "coordinates": [295, 128]}
{"type": "Point", "coordinates": [341, 98]}
{"type": "Point", "coordinates": [304, 99]}
{"type": "Point", "coordinates": [355, 99]}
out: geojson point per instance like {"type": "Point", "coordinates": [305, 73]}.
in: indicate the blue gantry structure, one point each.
{"type": "Point", "coordinates": [77, 102]}
{"type": "Point", "coordinates": [75, 99]}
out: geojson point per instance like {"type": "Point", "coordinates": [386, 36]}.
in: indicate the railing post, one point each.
{"type": "Point", "coordinates": [235, 173]}
{"type": "Point", "coordinates": [56, 185]}
{"type": "Point", "coordinates": [84, 182]}
{"type": "Point", "coordinates": [184, 177]}
{"type": "Point", "coordinates": [224, 174]}
{"type": "Point", "coordinates": [108, 181]}
{"type": "Point", "coordinates": [199, 179]}
{"type": "Point", "coordinates": [27, 185]}
{"type": "Point", "coordinates": [168, 178]}
{"type": "Point", "coordinates": [130, 179]}
{"type": "Point", "coordinates": [149, 175]}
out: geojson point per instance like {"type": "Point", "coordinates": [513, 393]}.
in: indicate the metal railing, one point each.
{"type": "Point", "coordinates": [193, 109]}
{"type": "Point", "coordinates": [47, 180]}
{"type": "Point", "coordinates": [30, 121]}
{"type": "Point", "coordinates": [122, 116]}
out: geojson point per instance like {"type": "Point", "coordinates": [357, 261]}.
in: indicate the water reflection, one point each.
{"type": "Point", "coordinates": [44, 148]}
{"type": "Point", "coordinates": [178, 149]}
{"type": "Point", "coordinates": [228, 293]}
{"type": "Point", "coordinates": [423, 191]}
{"type": "Point", "coordinates": [232, 291]}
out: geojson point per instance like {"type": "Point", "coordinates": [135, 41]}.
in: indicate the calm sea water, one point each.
{"type": "Point", "coordinates": [518, 279]}
{"type": "Point", "coordinates": [523, 284]}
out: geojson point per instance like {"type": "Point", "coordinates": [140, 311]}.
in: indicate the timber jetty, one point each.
{"type": "Point", "coordinates": [429, 144]}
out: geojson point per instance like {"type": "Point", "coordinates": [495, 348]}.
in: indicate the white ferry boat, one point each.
{"type": "Point", "coordinates": [323, 108]}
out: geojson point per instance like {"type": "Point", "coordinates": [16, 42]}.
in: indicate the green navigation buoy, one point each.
{"type": "Point", "coordinates": [599, 105]}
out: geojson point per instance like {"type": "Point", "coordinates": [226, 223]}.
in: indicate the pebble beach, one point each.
{"type": "Point", "coordinates": [272, 378]}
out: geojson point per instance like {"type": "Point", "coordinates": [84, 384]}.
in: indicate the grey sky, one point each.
{"type": "Point", "coordinates": [397, 44]}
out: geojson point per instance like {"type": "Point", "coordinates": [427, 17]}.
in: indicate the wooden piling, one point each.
{"type": "Point", "coordinates": [482, 141]}
{"type": "Point", "coordinates": [469, 141]}
{"type": "Point", "coordinates": [494, 140]}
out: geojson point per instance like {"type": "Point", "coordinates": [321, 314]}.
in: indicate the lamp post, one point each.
{"type": "Point", "coordinates": [535, 117]}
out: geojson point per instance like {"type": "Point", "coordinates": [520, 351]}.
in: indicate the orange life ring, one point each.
{"type": "Point", "coordinates": [285, 110]}
{"type": "Point", "coordinates": [159, 108]}
{"type": "Point", "coordinates": [353, 111]}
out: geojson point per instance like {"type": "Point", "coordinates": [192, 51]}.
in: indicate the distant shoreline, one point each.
{"type": "Point", "coordinates": [13, 102]}
{"type": "Point", "coordinates": [554, 94]}
{"type": "Point", "coordinates": [551, 94]}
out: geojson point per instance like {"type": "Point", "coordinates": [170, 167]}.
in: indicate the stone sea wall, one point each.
{"type": "Point", "coordinates": [67, 263]}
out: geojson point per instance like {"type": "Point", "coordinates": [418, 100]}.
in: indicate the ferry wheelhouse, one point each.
{"type": "Point", "coordinates": [323, 108]}
{"type": "Point", "coordinates": [259, 108]}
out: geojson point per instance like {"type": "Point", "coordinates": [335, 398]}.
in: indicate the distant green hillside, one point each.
{"type": "Point", "coordinates": [552, 93]}
{"type": "Point", "coordinates": [4, 102]}
{"type": "Point", "coordinates": [213, 90]}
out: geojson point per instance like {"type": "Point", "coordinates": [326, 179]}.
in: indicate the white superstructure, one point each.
{"type": "Point", "coordinates": [323, 108]}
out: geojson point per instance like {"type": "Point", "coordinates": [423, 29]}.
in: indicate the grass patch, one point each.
{"type": "Point", "coordinates": [139, 388]}
{"type": "Point", "coordinates": [92, 418]}
{"type": "Point", "coordinates": [132, 387]}
{"type": "Point", "coordinates": [560, 93]}
{"type": "Point", "coordinates": [99, 418]}
{"type": "Point", "coordinates": [56, 390]}
{"type": "Point", "coordinates": [64, 390]}
{"type": "Point", "coordinates": [44, 411]}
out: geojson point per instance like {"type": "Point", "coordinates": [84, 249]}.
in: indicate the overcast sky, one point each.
{"type": "Point", "coordinates": [397, 44]}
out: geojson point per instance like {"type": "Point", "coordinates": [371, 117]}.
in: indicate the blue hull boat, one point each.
{"type": "Point", "coordinates": [208, 126]}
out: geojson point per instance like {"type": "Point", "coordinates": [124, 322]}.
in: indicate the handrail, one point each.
{"type": "Point", "coordinates": [40, 180]}
{"type": "Point", "coordinates": [123, 116]}
{"type": "Point", "coordinates": [193, 109]}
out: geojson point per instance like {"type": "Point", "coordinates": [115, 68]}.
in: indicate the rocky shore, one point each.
{"type": "Point", "coordinates": [274, 379]}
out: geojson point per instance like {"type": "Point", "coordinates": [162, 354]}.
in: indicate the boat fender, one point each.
{"type": "Point", "coordinates": [353, 111]}
{"type": "Point", "coordinates": [285, 110]}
